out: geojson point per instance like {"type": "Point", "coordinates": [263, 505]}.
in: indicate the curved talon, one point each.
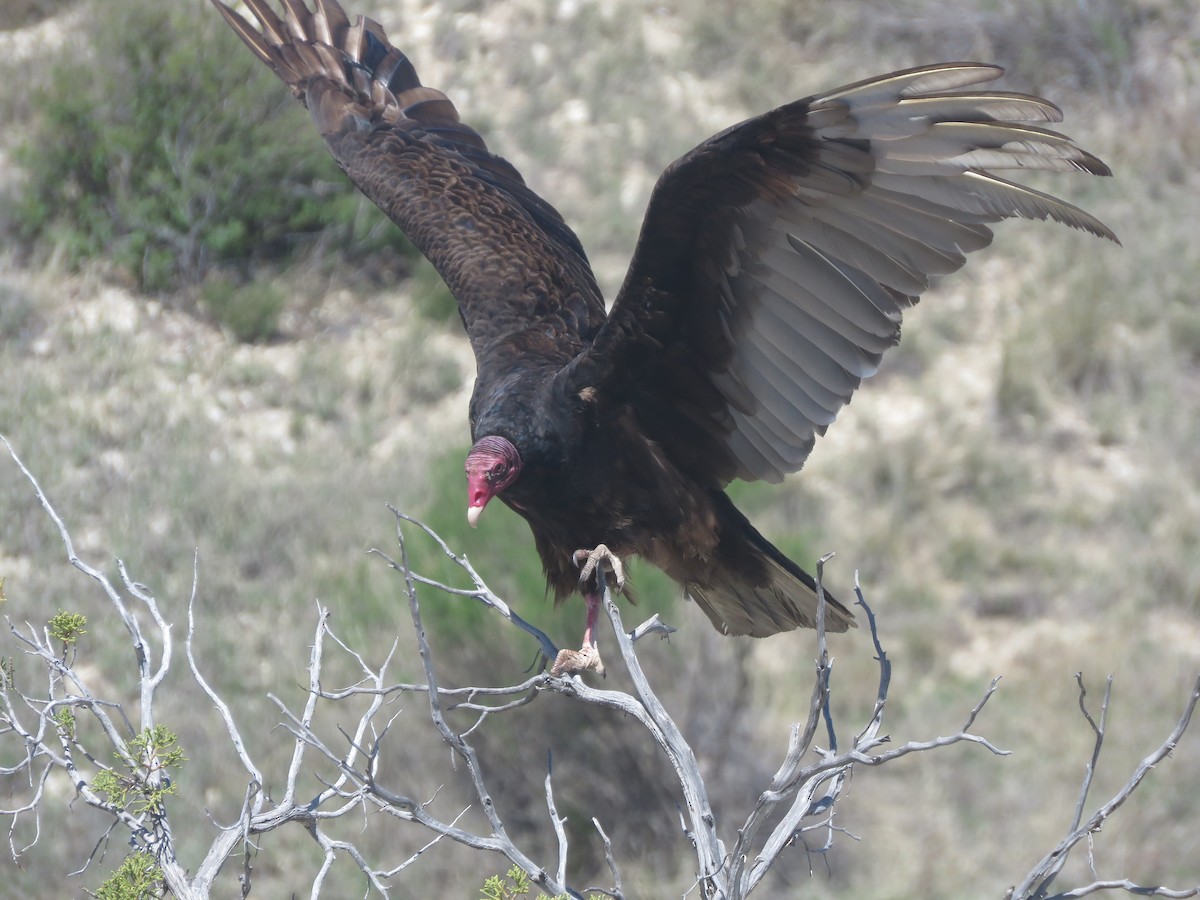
{"type": "Point", "coordinates": [568, 662]}
{"type": "Point", "coordinates": [587, 560]}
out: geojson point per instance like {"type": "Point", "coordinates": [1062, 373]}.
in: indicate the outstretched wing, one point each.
{"type": "Point", "coordinates": [520, 276]}
{"type": "Point", "coordinates": [777, 258]}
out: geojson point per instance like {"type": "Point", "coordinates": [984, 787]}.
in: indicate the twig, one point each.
{"type": "Point", "coordinates": [617, 892]}
{"type": "Point", "coordinates": [556, 821]}
{"type": "Point", "coordinates": [1128, 886]}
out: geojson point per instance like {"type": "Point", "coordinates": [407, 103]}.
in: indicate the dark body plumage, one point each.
{"type": "Point", "coordinates": [771, 274]}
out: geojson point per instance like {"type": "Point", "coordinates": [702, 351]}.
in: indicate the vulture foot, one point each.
{"type": "Point", "coordinates": [588, 560]}
{"type": "Point", "coordinates": [570, 661]}
{"type": "Point", "coordinates": [588, 656]}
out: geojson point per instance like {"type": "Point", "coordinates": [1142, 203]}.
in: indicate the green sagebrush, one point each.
{"type": "Point", "coordinates": [514, 885]}
{"type": "Point", "coordinates": [163, 149]}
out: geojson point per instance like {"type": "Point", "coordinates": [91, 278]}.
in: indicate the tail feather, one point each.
{"type": "Point", "coordinates": [783, 604]}
{"type": "Point", "coordinates": [758, 591]}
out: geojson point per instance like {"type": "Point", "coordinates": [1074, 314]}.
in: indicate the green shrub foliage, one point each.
{"type": "Point", "coordinates": [165, 147]}
{"type": "Point", "coordinates": [137, 878]}
{"type": "Point", "coordinates": [250, 311]}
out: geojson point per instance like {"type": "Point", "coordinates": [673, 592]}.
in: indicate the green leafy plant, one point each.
{"type": "Point", "coordinates": [251, 312]}
{"type": "Point", "coordinates": [178, 150]}
{"type": "Point", "coordinates": [137, 878]}
{"type": "Point", "coordinates": [64, 718]}
{"type": "Point", "coordinates": [515, 883]}
{"type": "Point", "coordinates": [144, 781]}
{"type": "Point", "coordinates": [68, 627]}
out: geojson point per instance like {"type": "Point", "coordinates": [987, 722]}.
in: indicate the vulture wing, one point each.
{"type": "Point", "coordinates": [776, 259]}
{"type": "Point", "coordinates": [520, 276]}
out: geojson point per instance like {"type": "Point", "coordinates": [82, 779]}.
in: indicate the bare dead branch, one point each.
{"type": "Point", "coordinates": [1128, 886]}
{"type": "Point", "coordinates": [1098, 730]}
{"type": "Point", "coordinates": [1036, 884]}
{"type": "Point", "coordinates": [557, 822]}
{"type": "Point", "coordinates": [617, 892]}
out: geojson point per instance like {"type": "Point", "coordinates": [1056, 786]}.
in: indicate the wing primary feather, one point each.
{"type": "Point", "coordinates": [750, 464]}
{"type": "Point", "coordinates": [273, 27]}
{"type": "Point", "coordinates": [857, 361]}
{"type": "Point", "coordinates": [808, 357]}
{"type": "Point", "coordinates": [986, 194]}
{"type": "Point", "coordinates": [845, 251]}
{"type": "Point", "coordinates": [909, 82]}
{"type": "Point", "coordinates": [297, 19]}
{"type": "Point", "coordinates": [798, 402]}
{"type": "Point", "coordinates": [825, 278]}
{"type": "Point", "coordinates": [749, 447]}
{"type": "Point", "coordinates": [812, 379]}
{"type": "Point", "coordinates": [937, 228]}
{"type": "Point", "coordinates": [916, 257]}
{"type": "Point", "coordinates": [775, 441]}
{"type": "Point", "coordinates": [848, 313]}
{"type": "Point", "coordinates": [330, 23]}
{"type": "Point", "coordinates": [252, 37]}
{"type": "Point", "coordinates": [993, 106]}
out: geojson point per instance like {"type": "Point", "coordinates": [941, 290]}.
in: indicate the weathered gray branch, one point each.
{"type": "Point", "coordinates": [1037, 883]}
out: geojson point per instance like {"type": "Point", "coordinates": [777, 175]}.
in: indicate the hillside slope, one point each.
{"type": "Point", "coordinates": [1019, 489]}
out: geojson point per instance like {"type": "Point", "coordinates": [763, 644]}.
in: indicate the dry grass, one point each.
{"type": "Point", "coordinates": [1019, 488]}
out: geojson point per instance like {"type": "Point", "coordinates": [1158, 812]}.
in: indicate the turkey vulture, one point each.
{"type": "Point", "coordinates": [773, 267]}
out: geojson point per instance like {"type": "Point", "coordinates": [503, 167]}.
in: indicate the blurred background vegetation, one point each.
{"type": "Point", "coordinates": [210, 341]}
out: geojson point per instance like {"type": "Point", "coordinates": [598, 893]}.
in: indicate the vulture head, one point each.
{"type": "Point", "coordinates": [492, 465]}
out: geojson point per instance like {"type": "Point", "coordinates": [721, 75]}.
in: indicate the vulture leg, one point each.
{"type": "Point", "coordinates": [588, 656]}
